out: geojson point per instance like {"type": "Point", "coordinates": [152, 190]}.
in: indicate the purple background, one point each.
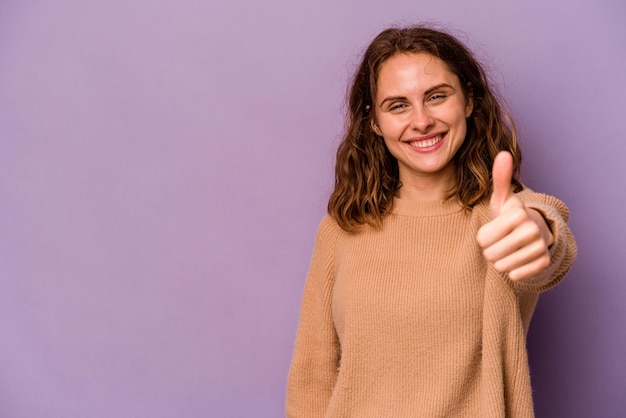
{"type": "Point", "coordinates": [164, 165]}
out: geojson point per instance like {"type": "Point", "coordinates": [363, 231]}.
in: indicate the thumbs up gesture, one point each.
{"type": "Point", "coordinates": [517, 238]}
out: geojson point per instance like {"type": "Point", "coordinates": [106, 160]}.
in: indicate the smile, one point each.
{"type": "Point", "coordinates": [427, 143]}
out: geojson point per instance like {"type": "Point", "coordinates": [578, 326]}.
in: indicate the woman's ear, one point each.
{"type": "Point", "coordinates": [375, 127]}
{"type": "Point", "coordinates": [469, 99]}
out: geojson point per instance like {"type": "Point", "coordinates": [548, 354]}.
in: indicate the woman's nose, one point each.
{"type": "Point", "coordinates": [422, 120]}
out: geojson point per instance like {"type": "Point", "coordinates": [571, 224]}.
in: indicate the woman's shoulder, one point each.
{"type": "Point", "coordinates": [328, 229]}
{"type": "Point", "coordinates": [328, 223]}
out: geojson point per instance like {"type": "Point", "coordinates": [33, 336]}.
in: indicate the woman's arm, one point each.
{"type": "Point", "coordinates": [528, 237]}
{"type": "Point", "coordinates": [315, 359]}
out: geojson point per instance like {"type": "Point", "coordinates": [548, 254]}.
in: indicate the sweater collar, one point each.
{"type": "Point", "coordinates": [405, 207]}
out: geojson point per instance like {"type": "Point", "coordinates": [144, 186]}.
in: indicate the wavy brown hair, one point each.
{"type": "Point", "coordinates": [366, 174]}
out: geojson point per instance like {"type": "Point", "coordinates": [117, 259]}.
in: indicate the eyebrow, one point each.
{"type": "Point", "coordinates": [426, 93]}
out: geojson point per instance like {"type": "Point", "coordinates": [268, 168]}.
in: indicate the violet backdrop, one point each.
{"type": "Point", "coordinates": [164, 165]}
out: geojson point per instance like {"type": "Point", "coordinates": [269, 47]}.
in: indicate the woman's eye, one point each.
{"type": "Point", "coordinates": [437, 96]}
{"type": "Point", "coordinates": [397, 106]}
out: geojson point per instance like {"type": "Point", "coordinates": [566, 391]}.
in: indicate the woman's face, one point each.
{"type": "Point", "coordinates": [421, 112]}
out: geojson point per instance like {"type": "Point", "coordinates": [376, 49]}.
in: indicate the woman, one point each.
{"type": "Point", "coordinates": [427, 269]}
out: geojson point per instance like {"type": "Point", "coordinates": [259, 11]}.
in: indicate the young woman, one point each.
{"type": "Point", "coordinates": [427, 268]}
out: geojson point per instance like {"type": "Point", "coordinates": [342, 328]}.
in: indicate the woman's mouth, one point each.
{"type": "Point", "coordinates": [427, 143]}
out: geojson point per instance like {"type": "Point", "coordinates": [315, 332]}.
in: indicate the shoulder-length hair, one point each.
{"type": "Point", "coordinates": [366, 174]}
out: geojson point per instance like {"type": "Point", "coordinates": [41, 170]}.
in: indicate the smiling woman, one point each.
{"type": "Point", "coordinates": [427, 269]}
{"type": "Point", "coordinates": [420, 112]}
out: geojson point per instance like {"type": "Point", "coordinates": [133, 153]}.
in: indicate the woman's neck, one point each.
{"type": "Point", "coordinates": [426, 188]}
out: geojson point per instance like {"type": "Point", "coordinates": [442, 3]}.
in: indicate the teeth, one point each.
{"type": "Point", "coordinates": [427, 142]}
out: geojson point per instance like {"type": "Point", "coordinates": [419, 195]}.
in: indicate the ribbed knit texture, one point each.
{"type": "Point", "coordinates": [409, 320]}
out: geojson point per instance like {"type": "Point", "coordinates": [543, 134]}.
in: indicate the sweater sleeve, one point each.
{"type": "Point", "coordinates": [315, 359]}
{"type": "Point", "coordinates": [563, 250]}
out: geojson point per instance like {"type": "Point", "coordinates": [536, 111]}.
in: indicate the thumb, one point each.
{"type": "Point", "coordinates": [502, 174]}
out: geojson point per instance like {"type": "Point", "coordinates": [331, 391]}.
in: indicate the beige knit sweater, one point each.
{"type": "Point", "coordinates": [409, 320]}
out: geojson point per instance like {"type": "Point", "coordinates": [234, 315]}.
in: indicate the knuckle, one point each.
{"type": "Point", "coordinates": [519, 215]}
{"type": "Point", "coordinates": [544, 261]}
{"type": "Point", "coordinates": [530, 229]}
{"type": "Point", "coordinates": [480, 239]}
{"type": "Point", "coordinates": [489, 256]}
{"type": "Point", "coordinates": [500, 267]}
{"type": "Point", "coordinates": [539, 248]}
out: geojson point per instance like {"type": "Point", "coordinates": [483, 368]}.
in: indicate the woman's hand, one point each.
{"type": "Point", "coordinates": [517, 239]}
